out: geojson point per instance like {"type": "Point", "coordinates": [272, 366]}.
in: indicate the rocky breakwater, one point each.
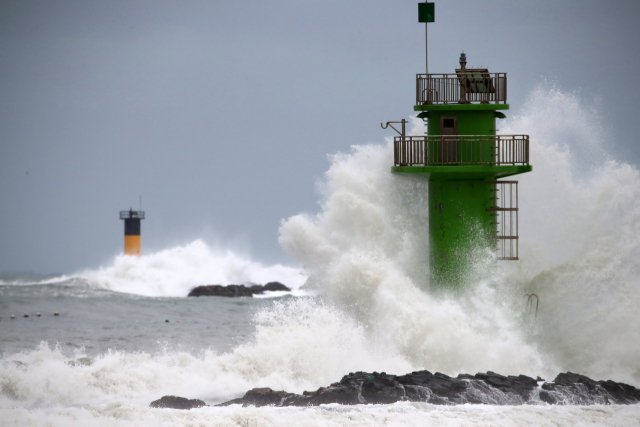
{"type": "Point", "coordinates": [440, 389]}
{"type": "Point", "coordinates": [236, 290]}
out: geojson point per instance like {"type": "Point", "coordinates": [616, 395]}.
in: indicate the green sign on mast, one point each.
{"type": "Point", "coordinates": [473, 214]}
{"type": "Point", "coordinates": [426, 12]}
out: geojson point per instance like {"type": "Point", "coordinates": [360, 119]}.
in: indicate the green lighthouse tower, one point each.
{"type": "Point", "coordinates": [473, 212]}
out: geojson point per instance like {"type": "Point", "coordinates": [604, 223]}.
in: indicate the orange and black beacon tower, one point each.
{"type": "Point", "coordinates": [132, 231]}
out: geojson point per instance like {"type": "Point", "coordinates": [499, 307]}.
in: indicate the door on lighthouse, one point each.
{"type": "Point", "coordinates": [448, 139]}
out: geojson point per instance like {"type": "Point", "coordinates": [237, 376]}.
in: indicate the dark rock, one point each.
{"type": "Point", "coordinates": [575, 389]}
{"type": "Point", "coordinates": [622, 394]}
{"type": "Point", "coordinates": [275, 286]}
{"type": "Point", "coordinates": [440, 389]}
{"type": "Point", "coordinates": [238, 401]}
{"type": "Point", "coordinates": [335, 393]}
{"type": "Point", "coordinates": [235, 290]}
{"type": "Point", "coordinates": [260, 397]}
{"type": "Point", "coordinates": [256, 289]}
{"type": "Point", "coordinates": [383, 389]}
{"type": "Point", "coordinates": [345, 392]}
{"type": "Point", "coordinates": [221, 291]}
{"type": "Point", "coordinates": [520, 385]}
{"type": "Point", "coordinates": [176, 402]}
{"type": "Point", "coordinates": [569, 378]}
{"type": "Point", "coordinates": [465, 377]}
{"type": "Point", "coordinates": [296, 400]}
{"type": "Point", "coordinates": [546, 397]}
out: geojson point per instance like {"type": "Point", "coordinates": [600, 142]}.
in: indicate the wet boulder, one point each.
{"type": "Point", "coordinates": [521, 385]}
{"type": "Point", "coordinates": [275, 286]}
{"type": "Point", "coordinates": [575, 389]}
{"type": "Point", "coordinates": [438, 388]}
{"type": "Point", "coordinates": [441, 389]}
{"type": "Point", "coordinates": [176, 402]}
{"type": "Point", "coordinates": [229, 291]}
{"type": "Point", "coordinates": [232, 291]}
{"type": "Point", "coordinates": [260, 397]}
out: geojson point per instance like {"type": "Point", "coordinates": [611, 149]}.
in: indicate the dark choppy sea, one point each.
{"type": "Point", "coordinates": [95, 321]}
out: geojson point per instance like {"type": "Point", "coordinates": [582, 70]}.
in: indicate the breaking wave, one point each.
{"type": "Point", "coordinates": [174, 272]}
{"type": "Point", "coordinates": [365, 256]}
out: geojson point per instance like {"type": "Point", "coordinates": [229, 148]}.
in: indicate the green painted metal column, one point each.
{"type": "Point", "coordinates": [460, 228]}
{"type": "Point", "coordinates": [461, 249]}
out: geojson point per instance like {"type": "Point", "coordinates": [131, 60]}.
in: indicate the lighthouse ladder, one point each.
{"type": "Point", "coordinates": [504, 214]}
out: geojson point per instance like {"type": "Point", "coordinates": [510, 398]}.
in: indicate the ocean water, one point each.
{"type": "Point", "coordinates": [360, 301]}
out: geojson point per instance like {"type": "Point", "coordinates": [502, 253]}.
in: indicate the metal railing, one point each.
{"type": "Point", "coordinates": [461, 150]}
{"type": "Point", "coordinates": [467, 87]}
{"type": "Point", "coordinates": [131, 214]}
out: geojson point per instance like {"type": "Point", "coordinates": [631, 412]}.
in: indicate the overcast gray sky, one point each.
{"type": "Point", "coordinates": [222, 113]}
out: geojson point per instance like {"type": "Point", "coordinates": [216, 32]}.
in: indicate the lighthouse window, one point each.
{"type": "Point", "coordinates": [448, 123]}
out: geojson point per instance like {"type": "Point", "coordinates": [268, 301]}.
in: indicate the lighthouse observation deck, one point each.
{"type": "Point", "coordinates": [450, 150]}
{"type": "Point", "coordinates": [131, 214]}
{"type": "Point", "coordinates": [465, 86]}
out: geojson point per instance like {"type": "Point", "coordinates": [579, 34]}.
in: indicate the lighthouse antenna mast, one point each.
{"type": "Point", "coordinates": [426, 47]}
{"type": "Point", "coordinates": [426, 14]}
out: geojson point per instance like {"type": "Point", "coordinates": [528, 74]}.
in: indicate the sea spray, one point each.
{"type": "Point", "coordinates": [298, 344]}
{"type": "Point", "coordinates": [367, 253]}
{"type": "Point", "coordinates": [405, 413]}
{"type": "Point", "coordinates": [366, 256]}
{"type": "Point", "coordinates": [174, 272]}
{"type": "Point", "coordinates": [579, 237]}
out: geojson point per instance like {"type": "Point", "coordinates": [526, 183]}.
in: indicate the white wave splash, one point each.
{"type": "Point", "coordinates": [399, 414]}
{"type": "Point", "coordinates": [174, 272]}
{"type": "Point", "coordinates": [366, 254]}
{"type": "Point", "coordinates": [44, 387]}
{"type": "Point", "coordinates": [580, 236]}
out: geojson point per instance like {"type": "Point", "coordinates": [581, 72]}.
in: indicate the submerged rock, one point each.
{"type": "Point", "coordinates": [440, 389]}
{"type": "Point", "coordinates": [82, 361]}
{"type": "Point", "coordinates": [176, 402]}
{"type": "Point", "coordinates": [236, 290]}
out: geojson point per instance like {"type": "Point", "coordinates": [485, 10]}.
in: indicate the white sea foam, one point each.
{"type": "Point", "coordinates": [579, 221]}
{"type": "Point", "coordinates": [44, 387]}
{"type": "Point", "coordinates": [580, 236]}
{"type": "Point", "coordinates": [123, 413]}
{"type": "Point", "coordinates": [366, 256]}
{"type": "Point", "coordinates": [174, 272]}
